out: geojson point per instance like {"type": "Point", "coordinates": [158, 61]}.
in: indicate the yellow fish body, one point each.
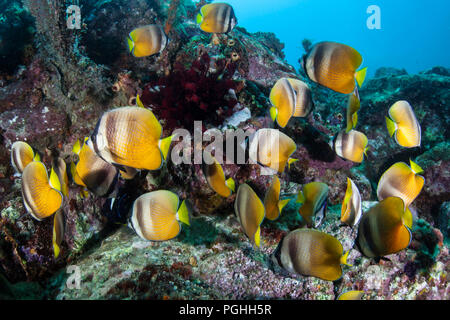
{"type": "Point", "coordinates": [156, 215]}
{"type": "Point", "coordinates": [93, 172]}
{"type": "Point", "coordinates": [42, 196]}
{"type": "Point", "coordinates": [310, 252]}
{"type": "Point", "coordinates": [403, 123]}
{"type": "Point", "coordinates": [21, 155]}
{"type": "Point", "coordinates": [334, 65]}
{"type": "Point", "coordinates": [272, 148]}
{"type": "Point", "coordinates": [352, 110]}
{"type": "Point", "coordinates": [131, 137]}
{"type": "Point", "coordinates": [351, 146]}
{"type": "Point", "coordinates": [147, 40]}
{"type": "Point", "coordinates": [402, 181]}
{"type": "Point", "coordinates": [217, 18]}
{"type": "Point", "coordinates": [250, 212]}
{"type": "Point", "coordinates": [216, 177]}
{"type": "Point", "coordinates": [382, 231]}
{"type": "Point", "coordinates": [314, 203]}
{"type": "Point", "coordinates": [351, 206]}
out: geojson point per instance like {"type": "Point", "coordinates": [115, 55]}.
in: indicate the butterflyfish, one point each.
{"type": "Point", "coordinates": [313, 253]}
{"type": "Point", "coordinates": [21, 155]}
{"type": "Point", "coordinates": [353, 106]}
{"type": "Point", "coordinates": [92, 172]}
{"type": "Point", "coordinates": [313, 198]}
{"type": "Point", "coordinates": [58, 232]}
{"type": "Point", "coordinates": [131, 137]}
{"type": "Point", "coordinates": [215, 176]}
{"type": "Point", "coordinates": [41, 194]}
{"type": "Point", "coordinates": [402, 123]}
{"type": "Point", "coordinates": [216, 18]}
{"type": "Point", "coordinates": [272, 148]}
{"type": "Point", "coordinates": [250, 212]}
{"type": "Point", "coordinates": [333, 65]}
{"type": "Point", "coordinates": [351, 146]}
{"type": "Point", "coordinates": [382, 230]}
{"type": "Point", "coordinates": [351, 205]}
{"type": "Point", "coordinates": [157, 215]}
{"type": "Point", "coordinates": [351, 295]}
{"type": "Point", "coordinates": [272, 202]}
{"type": "Point", "coordinates": [402, 181]}
{"type": "Point", "coordinates": [147, 40]}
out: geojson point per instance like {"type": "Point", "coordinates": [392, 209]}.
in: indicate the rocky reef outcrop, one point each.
{"type": "Point", "coordinates": [73, 76]}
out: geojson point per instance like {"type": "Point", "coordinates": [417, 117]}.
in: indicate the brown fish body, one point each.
{"type": "Point", "coordinates": [310, 252]}
{"type": "Point", "coordinates": [99, 176]}
{"type": "Point", "coordinates": [382, 231]}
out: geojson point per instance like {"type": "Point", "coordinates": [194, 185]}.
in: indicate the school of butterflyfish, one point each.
{"type": "Point", "coordinates": [127, 140]}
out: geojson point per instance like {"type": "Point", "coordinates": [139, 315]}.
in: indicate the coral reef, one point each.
{"type": "Point", "coordinates": [70, 77]}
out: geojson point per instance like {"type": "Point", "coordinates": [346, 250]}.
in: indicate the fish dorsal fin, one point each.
{"type": "Point", "coordinates": [183, 213]}
{"type": "Point", "coordinates": [231, 184]}
{"type": "Point", "coordinates": [415, 167]}
{"type": "Point", "coordinates": [164, 145]}
{"type": "Point", "coordinates": [54, 180]}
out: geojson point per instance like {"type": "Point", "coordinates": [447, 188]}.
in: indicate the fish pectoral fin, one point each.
{"type": "Point", "coordinates": [361, 76]}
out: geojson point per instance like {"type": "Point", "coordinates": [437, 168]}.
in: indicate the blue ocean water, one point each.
{"type": "Point", "coordinates": [414, 34]}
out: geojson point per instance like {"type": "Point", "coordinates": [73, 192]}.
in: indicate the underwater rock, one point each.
{"type": "Point", "coordinates": [387, 72]}
{"type": "Point", "coordinates": [16, 36]}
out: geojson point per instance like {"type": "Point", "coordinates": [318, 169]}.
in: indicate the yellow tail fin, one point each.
{"type": "Point", "coordinates": [415, 167]}
{"type": "Point", "coordinates": [365, 150]}
{"type": "Point", "coordinates": [183, 213]}
{"type": "Point", "coordinates": [130, 44]}
{"type": "Point", "coordinates": [300, 197]}
{"type": "Point", "coordinates": [139, 102]}
{"type": "Point", "coordinates": [273, 113]}
{"type": "Point", "coordinates": [361, 76]}
{"type": "Point", "coordinates": [54, 180]}
{"type": "Point", "coordinates": [199, 18]}
{"type": "Point", "coordinates": [408, 218]}
{"type": "Point", "coordinates": [37, 157]}
{"type": "Point", "coordinates": [164, 145]}
{"type": "Point", "coordinates": [344, 259]}
{"type": "Point", "coordinates": [355, 119]}
{"type": "Point", "coordinates": [231, 184]}
{"type": "Point", "coordinates": [76, 147]}
{"type": "Point", "coordinates": [291, 161]}
{"type": "Point", "coordinates": [258, 237]}
{"type": "Point", "coordinates": [56, 249]}
{"type": "Point", "coordinates": [391, 126]}
{"type": "Point", "coordinates": [282, 204]}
